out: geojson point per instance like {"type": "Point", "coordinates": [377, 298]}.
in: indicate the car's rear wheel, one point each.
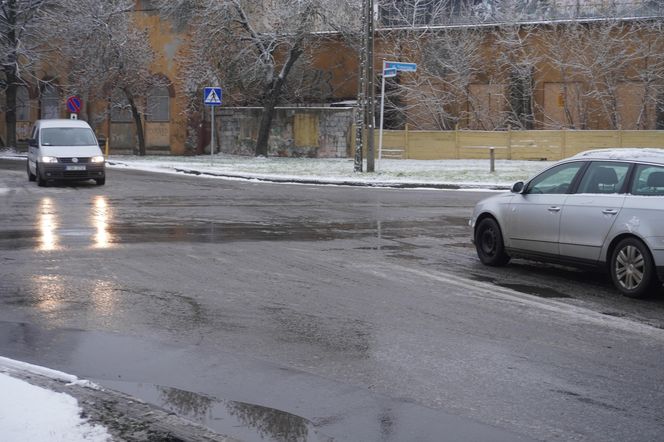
{"type": "Point", "coordinates": [632, 268]}
{"type": "Point", "coordinates": [489, 243]}
{"type": "Point", "coordinates": [41, 181]}
{"type": "Point", "coordinates": [31, 177]}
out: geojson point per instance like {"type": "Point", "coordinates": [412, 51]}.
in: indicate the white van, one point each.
{"type": "Point", "coordinates": [64, 150]}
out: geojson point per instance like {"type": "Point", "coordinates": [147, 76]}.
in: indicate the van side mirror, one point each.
{"type": "Point", "coordinates": [518, 187]}
{"type": "Point", "coordinates": [32, 142]}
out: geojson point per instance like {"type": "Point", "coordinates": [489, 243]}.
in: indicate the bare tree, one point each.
{"type": "Point", "coordinates": [597, 61]}
{"type": "Point", "coordinates": [21, 49]}
{"type": "Point", "coordinates": [116, 55]}
{"type": "Point", "coordinates": [650, 72]}
{"type": "Point", "coordinates": [261, 44]}
{"type": "Point", "coordinates": [450, 60]}
{"type": "Point", "coordinates": [517, 62]}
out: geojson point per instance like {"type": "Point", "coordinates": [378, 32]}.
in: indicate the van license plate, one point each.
{"type": "Point", "coordinates": [75, 168]}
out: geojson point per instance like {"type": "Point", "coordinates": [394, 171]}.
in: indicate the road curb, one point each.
{"type": "Point", "coordinates": [384, 184]}
{"type": "Point", "coordinates": [124, 417]}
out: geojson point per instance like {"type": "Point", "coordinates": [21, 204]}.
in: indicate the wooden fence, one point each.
{"type": "Point", "coordinates": [515, 145]}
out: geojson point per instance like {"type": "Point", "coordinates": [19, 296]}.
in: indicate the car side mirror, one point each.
{"type": "Point", "coordinates": [518, 187]}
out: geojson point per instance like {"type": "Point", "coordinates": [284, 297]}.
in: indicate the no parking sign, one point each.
{"type": "Point", "coordinates": [74, 104]}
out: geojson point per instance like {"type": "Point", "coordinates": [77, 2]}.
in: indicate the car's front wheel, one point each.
{"type": "Point", "coordinates": [489, 243]}
{"type": "Point", "coordinates": [632, 268]}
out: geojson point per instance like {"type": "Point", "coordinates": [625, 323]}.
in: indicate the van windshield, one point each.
{"type": "Point", "coordinates": [67, 136]}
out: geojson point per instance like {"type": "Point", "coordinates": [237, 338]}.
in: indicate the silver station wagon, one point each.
{"type": "Point", "coordinates": [601, 208]}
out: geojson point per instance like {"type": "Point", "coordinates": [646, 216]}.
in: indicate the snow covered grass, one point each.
{"type": "Point", "coordinates": [465, 173]}
{"type": "Point", "coordinates": [457, 172]}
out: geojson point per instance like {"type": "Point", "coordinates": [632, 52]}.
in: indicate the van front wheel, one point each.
{"type": "Point", "coordinates": [41, 181]}
{"type": "Point", "coordinates": [31, 176]}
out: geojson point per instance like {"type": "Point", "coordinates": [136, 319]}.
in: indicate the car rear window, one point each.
{"type": "Point", "coordinates": [648, 180]}
{"type": "Point", "coordinates": [604, 177]}
{"type": "Point", "coordinates": [67, 136]}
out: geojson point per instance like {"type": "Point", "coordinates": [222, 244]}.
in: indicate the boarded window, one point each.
{"type": "Point", "coordinates": [22, 104]}
{"type": "Point", "coordinates": [487, 106]}
{"type": "Point", "coordinates": [158, 104]}
{"type": "Point", "coordinates": [120, 109]}
{"type": "Point", "coordinates": [636, 109]}
{"type": "Point", "coordinates": [50, 102]}
{"type": "Point", "coordinates": [562, 105]}
{"type": "Point", "coordinates": [305, 127]}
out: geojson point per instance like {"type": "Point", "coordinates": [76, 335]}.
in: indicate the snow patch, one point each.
{"type": "Point", "coordinates": [37, 414]}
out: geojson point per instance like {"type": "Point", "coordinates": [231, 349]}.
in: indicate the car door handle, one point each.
{"type": "Point", "coordinates": [610, 211]}
{"type": "Point", "coordinates": [554, 209]}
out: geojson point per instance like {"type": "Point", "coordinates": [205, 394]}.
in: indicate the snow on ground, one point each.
{"type": "Point", "coordinates": [31, 413]}
{"type": "Point", "coordinates": [465, 173]}
{"type": "Point", "coordinates": [474, 173]}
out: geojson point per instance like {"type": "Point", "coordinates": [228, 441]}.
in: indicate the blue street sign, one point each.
{"type": "Point", "coordinates": [389, 73]}
{"type": "Point", "coordinates": [212, 96]}
{"type": "Point", "coordinates": [404, 67]}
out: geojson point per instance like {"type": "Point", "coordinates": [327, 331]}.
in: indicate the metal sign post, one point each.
{"type": "Point", "coordinates": [387, 73]}
{"type": "Point", "coordinates": [390, 69]}
{"type": "Point", "coordinates": [212, 98]}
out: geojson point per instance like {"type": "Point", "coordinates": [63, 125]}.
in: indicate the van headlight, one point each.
{"type": "Point", "coordinates": [97, 159]}
{"type": "Point", "coordinates": [46, 159]}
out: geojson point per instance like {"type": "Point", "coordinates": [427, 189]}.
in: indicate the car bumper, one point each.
{"type": "Point", "coordinates": [66, 172]}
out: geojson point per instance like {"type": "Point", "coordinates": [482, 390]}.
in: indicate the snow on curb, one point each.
{"type": "Point", "coordinates": [19, 366]}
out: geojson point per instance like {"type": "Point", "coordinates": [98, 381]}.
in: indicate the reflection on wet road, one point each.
{"type": "Point", "coordinates": [101, 218]}
{"type": "Point", "coordinates": [103, 233]}
{"type": "Point", "coordinates": [246, 422]}
{"type": "Point", "coordinates": [48, 224]}
{"type": "Point", "coordinates": [54, 230]}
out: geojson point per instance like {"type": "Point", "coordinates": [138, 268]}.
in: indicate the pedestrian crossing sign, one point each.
{"type": "Point", "coordinates": [212, 96]}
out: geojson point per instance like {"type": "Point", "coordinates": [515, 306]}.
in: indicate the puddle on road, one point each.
{"type": "Point", "coordinates": [247, 422]}
{"type": "Point", "coordinates": [541, 292]}
{"type": "Point", "coordinates": [144, 232]}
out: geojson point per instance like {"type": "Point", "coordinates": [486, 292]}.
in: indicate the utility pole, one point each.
{"type": "Point", "coordinates": [361, 98]}
{"type": "Point", "coordinates": [366, 94]}
{"type": "Point", "coordinates": [371, 93]}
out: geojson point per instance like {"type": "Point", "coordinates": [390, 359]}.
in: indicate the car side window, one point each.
{"type": "Point", "coordinates": [648, 180]}
{"type": "Point", "coordinates": [604, 177]}
{"type": "Point", "coordinates": [556, 180]}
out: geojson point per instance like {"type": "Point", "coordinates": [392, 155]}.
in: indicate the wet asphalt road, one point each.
{"type": "Point", "coordinates": [362, 312]}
